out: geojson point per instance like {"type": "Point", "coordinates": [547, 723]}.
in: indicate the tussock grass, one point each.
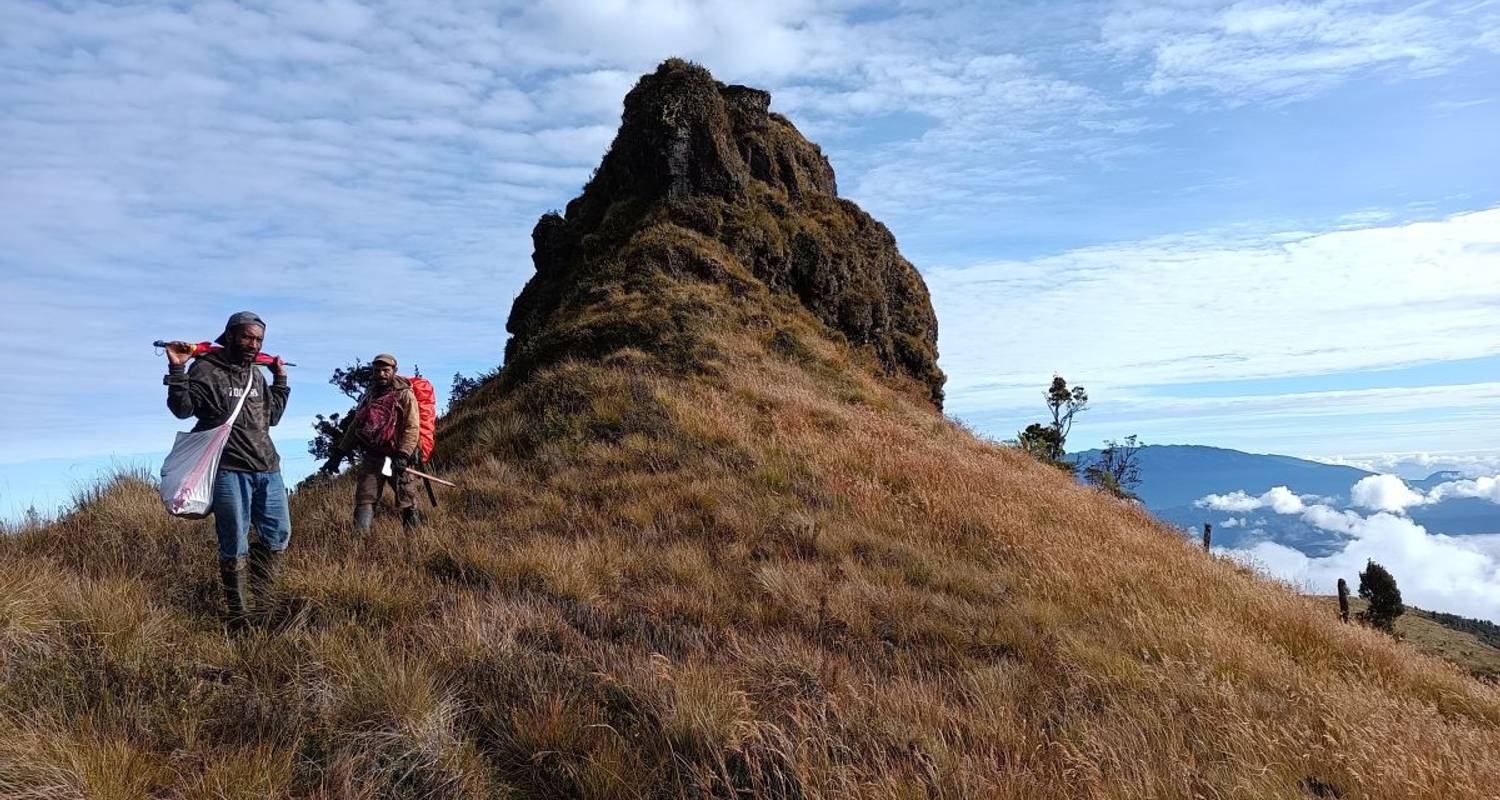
{"type": "Point", "coordinates": [776, 574]}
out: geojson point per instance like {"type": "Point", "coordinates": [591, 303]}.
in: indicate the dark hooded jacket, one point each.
{"type": "Point", "coordinates": [208, 390]}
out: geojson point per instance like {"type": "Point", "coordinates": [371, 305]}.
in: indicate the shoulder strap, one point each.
{"type": "Point", "coordinates": [241, 404]}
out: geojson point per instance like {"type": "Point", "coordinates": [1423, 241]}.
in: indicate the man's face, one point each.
{"type": "Point", "coordinates": [384, 373]}
{"type": "Point", "coordinates": [245, 341]}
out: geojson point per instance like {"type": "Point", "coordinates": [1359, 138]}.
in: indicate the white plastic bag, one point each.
{"type": "Point", "coordinates": [187, 476]}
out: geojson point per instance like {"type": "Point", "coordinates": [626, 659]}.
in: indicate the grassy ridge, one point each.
{"type": "Point", "coordinates": [770, 574]}
{"type": "Point", "coordinates": [1438, 635]}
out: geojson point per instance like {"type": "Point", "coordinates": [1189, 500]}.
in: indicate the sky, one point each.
{"type": "Point", "coordinates": [1267, 226]}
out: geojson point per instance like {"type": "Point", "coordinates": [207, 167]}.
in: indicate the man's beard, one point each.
{"type": "Point", "coordinates": [243, 357]}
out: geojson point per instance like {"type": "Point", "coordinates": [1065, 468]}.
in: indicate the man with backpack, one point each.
{"type": "Point", "coordinates": [386, 425]}
{"type": "Point", "coordinates": [248, 490]}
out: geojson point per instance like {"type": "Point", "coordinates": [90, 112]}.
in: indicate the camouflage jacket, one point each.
{"type": "Point", "coordinates": [408, 420]}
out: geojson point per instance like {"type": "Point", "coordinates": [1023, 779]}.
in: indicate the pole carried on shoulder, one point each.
{"type": "Point", "coordinates": [203, 348]}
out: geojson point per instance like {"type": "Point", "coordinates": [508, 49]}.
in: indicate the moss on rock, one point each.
{"type": "Point", "coordinates": [704, 183]}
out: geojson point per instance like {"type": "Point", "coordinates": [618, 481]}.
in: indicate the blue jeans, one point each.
{"type": "Point", "coordinates": [242, 498]}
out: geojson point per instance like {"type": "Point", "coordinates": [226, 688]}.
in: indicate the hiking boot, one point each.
{"type": "Point", "coordinates": [364, 516]}
{"type": "Point", "coordinates": [264, 564]}
{"type": "Point", "coordinates": [232, 576]}
{"type": "Point", "coordinates": [410, 519]}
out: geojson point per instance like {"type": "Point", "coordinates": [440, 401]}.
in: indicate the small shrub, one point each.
{"type": "Point", "coordinates": [1378, 586]}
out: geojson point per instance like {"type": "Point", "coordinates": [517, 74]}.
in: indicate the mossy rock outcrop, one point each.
{"type": "Point", "coordinates": [703, 182]}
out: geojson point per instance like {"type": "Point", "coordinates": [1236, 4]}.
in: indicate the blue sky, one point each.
{"type": "Point", "coordinates": [1268, 226]}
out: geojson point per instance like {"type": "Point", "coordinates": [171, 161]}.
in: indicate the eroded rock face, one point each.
{"type": "Point", "coordinates": [714, 162]}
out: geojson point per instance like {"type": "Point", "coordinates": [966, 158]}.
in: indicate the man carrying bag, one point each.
{"type": "Point", "coordinates": [247, 489]}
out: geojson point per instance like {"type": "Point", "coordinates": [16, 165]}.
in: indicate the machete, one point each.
{"type": "Point", "coordinates": [432, 478]}
{"type": "Point", "coordinates": [387, 471]}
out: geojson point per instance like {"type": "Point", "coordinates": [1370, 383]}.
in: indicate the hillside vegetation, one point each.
{"type": "Point", "coordinates": [714, 539]}
{"type": "Point", "coordinates": [1470, 643]}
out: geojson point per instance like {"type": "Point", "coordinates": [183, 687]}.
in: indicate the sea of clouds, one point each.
{"type": "Point", "coordinates": [1456, 574]}
{"type": "Point", "coordinates": [1471, 464]}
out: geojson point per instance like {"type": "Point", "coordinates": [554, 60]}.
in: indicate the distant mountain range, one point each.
{"type": "Point", "coordinates": [1175, 477]}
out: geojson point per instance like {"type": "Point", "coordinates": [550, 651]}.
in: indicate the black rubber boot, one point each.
{"type": "Point", "coordinates": [232, 576]}
{"type": "Point", "coordinates": [264, 564]}
{"type": "Point", "coordinates": [410, 519]}
{"type": "Point", "coordinates": [364, 516]}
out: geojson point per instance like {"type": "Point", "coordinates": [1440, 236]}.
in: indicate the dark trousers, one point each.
{"type": "Point", "coordinates": [368, 483]}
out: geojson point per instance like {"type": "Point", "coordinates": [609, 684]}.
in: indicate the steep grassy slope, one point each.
{"type": "Point", "coordinates": [710, 544]}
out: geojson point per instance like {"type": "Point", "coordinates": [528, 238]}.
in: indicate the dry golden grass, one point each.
{"type": "Point", "coordinates": [768, 574]}
{"type": "Point", "coordinates": [1424, 632]}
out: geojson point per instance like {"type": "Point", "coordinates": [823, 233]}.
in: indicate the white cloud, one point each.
{"type": "Point", "coordinates": [1219, 307]}
{"type": "Point", "coordinates": [1385, 493]}
{"type": "Point", "coordinates": [591, 95]}
{"type": "Point", "coordinates": [1274, 559]}
{"type": "Point", "coordinates": [1485, 487]}
{"type": "Point", "coordinates": [1193, 309]}
{"type": "Point", "coordinates": [1233, 522]}
{"type": "Point", "coordinates": [167, 164]}
{"type": "Point", "coordinates": [353, 171]}
{"type": "Point", "coordinates": [1390, 493]}
{"type": "Point", "coordinates": [1260, 51]}
{"type": "Point", "coordinates": [180, 161]}
{"type": "Point", "coordinates": [1412, 466]}
{"type": "Point", "coordinates": [1437, 572]}
{"type": "Point", "coordinates": [1294, 423]}
{"type": "Point", "coordinates": [1234, 501]}
{"type": "Point", "coordinates": [333, 19]}
{"type": "Point", "coordinates": [1332, 519]}
{"type": "Point", "coordinates": [1279, 499]}
{"type": "Point", "coordinates": [1445, 573]}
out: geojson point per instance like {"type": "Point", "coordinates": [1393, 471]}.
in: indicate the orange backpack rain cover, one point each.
{"type": "Point", "coordinates": [427, 409]}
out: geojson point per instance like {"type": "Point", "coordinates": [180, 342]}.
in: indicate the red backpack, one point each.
{"type": "Point", "coordinates": [427, 410]}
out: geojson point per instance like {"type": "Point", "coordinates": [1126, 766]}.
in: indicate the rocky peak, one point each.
{"type": "Point", "coordinates": [714, 161]}
{"type": "Point", "coordinates": [684, 134]}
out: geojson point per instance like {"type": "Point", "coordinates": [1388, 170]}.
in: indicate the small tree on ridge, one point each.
{"type": "Point", "coordinates": [463, 386]}
{"type": "Point", "coordinates": [1048, 442]}
{"type": "Point", "coordinates": [1378, 586]}
{"type": "Point", "coordinates": [1116, 469]}
{"type": "Point", "coordinates": [352, 380]}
